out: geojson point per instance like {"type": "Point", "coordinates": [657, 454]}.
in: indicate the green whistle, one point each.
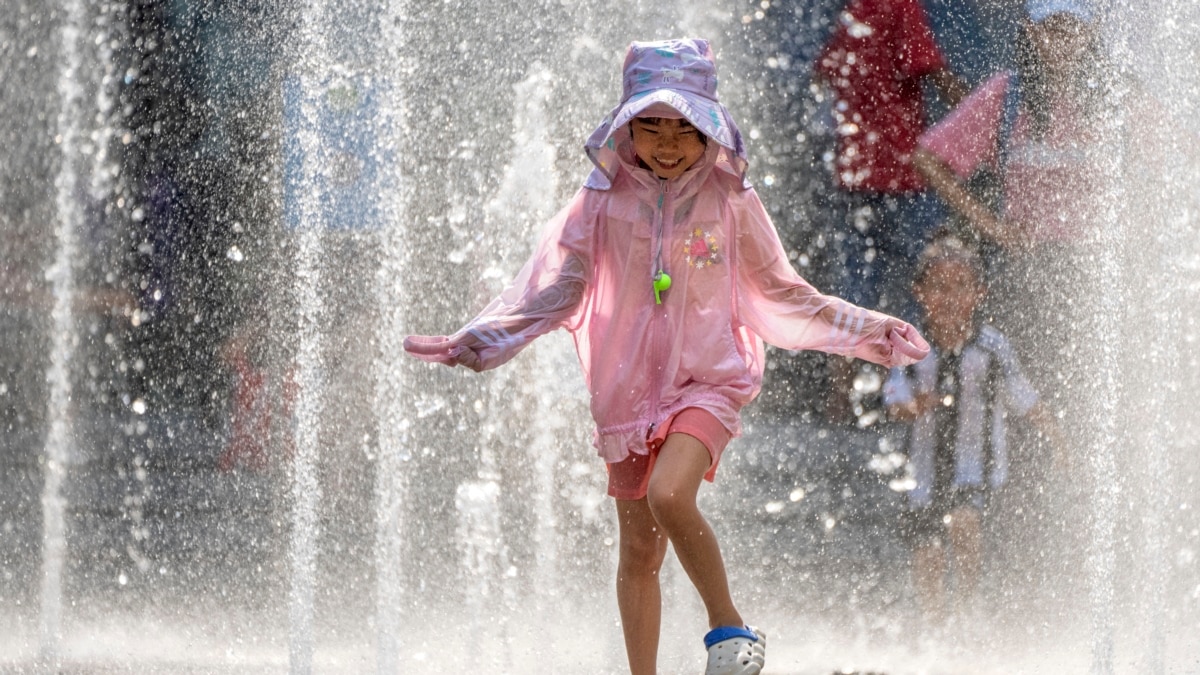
{"type": "Point", "coordinates": [662, 281]}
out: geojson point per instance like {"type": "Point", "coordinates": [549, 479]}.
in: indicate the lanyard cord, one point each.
{"type": "Point", "coordinates": [658, 268]}
{"type": "Point", "coordinates": [662, 217]}
{"type": "Point", "coordinates": [660, 280]}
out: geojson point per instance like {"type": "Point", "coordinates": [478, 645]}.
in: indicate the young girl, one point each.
{"type": "Point", "coordinates": [669, 274]}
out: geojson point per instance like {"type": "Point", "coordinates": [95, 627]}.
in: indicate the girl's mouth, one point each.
{"type": "Point", "coordinates": [667, 164]}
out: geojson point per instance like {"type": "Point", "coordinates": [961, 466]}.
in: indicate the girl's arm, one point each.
{"type": "Point", "coordinates": [786, 311]}
{"type": "Point", "coordinates": [546, 295]}
{"type": "Point", "coordinates": [499, 333]}
{"type": "Point", "coordinates": [1021, 399]}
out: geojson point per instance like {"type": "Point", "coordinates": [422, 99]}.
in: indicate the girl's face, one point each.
{"type": "Point", "coordinates": [668, 147]}
{"type": "Point", "coordinates": [1061, 41]}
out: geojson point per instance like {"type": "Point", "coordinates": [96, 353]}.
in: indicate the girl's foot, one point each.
{"type": "Point", "coordinates": [735, 651]}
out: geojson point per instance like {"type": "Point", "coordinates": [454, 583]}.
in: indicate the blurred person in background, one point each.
{"type": "Point", "coordinates": [957, 404]}
{"type": "Point", "coordinates": [1061, 142]}
{"type": "Point", "coordinates": [1037, 129]}
{"type": "Point", "coordinates": [875, 63]}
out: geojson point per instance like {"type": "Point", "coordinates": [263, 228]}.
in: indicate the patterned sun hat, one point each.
{"type": "Point", "coordinates": [681, 74]}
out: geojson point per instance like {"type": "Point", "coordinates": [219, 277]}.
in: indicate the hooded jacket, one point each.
{"type": "Point", "coordinates": [732, 288]}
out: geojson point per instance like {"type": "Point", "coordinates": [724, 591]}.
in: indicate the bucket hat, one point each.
{"type": "Point", "coordinates": [681, 74]}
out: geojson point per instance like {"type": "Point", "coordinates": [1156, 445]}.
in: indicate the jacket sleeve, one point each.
{"type": "Point", "coordinates": [786, 311]}
{"type": "Point", "coordinates": [548, 292]}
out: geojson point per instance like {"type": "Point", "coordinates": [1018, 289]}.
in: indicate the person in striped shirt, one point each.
{"type": "Point", "coordinates": [958, 402]}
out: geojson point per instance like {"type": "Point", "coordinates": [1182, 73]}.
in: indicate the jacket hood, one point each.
{"type": "Point", "coordinates": [681, 74]}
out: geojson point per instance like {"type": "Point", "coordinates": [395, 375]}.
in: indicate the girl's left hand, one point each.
{"type": "Point", "coordinates": [908, 347]}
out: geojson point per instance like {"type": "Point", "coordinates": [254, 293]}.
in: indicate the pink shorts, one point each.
{"type": "Point", "coordinates": [630, 477]}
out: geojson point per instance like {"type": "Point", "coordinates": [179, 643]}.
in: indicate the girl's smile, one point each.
{"type": "Point", "coordinates": [668, 147]}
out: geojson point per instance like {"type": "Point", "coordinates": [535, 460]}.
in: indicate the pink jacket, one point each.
{"type": "Point", "coordinates": [732, 287]}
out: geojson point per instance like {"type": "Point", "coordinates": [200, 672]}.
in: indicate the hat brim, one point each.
{"type": "Point", "coordinates": [707, 115]}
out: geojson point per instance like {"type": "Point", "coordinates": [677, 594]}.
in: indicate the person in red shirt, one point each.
{"type": "Point", "coordinates": [874, 65]}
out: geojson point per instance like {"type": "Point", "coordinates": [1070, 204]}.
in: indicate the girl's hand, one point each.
{"type": "Point", "coordinates": [443, 350]}
{"type": "Point", "coordinates": [908, 347]}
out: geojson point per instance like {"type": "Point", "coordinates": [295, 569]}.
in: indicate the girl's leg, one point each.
{"type": "Point", "coordinates": [639, 598]}
{"type": "Point", "coordinates": [674, 484]}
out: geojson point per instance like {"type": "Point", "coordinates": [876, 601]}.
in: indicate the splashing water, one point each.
{"type": "Point", "coordinates": [61, 275]}
{"type": "Point", "coordinates": [487, 526]}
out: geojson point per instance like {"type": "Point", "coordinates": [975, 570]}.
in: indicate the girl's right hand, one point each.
{"type": "Point", "coordinates": [443, 350]}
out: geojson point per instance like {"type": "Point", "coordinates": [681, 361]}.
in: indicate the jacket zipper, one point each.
{"type": "Point", "coordinates": [660, 311]}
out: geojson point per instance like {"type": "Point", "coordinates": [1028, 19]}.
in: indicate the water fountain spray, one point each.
{"type": "Point", "coordinates": [393, 443]}
{"type": "Point", "coordinates": [63, 337]}
{"type": "Point", "coordinates": [309, 363]}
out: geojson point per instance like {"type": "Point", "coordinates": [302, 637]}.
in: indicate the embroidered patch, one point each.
{"type": "Point", "coordinates": [670, 75]}
{"type": "Point", "coordinates": [700, 249]}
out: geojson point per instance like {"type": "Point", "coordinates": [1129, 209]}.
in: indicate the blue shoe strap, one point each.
{"type": "Point", "coordinates": [722, 633]}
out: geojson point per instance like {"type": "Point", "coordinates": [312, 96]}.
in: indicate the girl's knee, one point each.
{"type": "Point", "coordinates": [643, 552]}
{"type": "Point", "coordinates": [668, 503]}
